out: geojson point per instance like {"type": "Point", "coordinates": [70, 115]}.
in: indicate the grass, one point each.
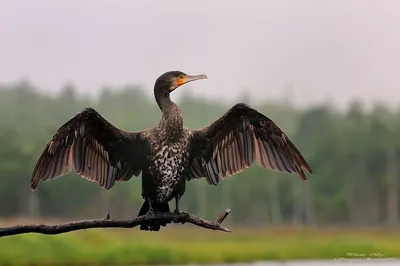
{"type": "Point", "coordinates": [189, 244]}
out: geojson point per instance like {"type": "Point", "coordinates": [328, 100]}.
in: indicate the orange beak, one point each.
{"type": "Point", "coordinates": [189, 78]}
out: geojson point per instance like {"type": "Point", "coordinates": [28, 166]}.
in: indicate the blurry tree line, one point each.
{"type": "Point", "coordinates": [354, 155]}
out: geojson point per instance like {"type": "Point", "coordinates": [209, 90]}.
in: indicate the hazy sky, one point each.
{"type": "Point", "coordinates": [341, 49]}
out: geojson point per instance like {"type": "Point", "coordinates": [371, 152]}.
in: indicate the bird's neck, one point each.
{"type": "Point", "coordinates": [172, 120]}
{"type": "Point", "coordinates": [163, 101]}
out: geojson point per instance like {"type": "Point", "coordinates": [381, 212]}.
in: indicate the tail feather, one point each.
{"type": "Point", "coordinates": [153, 225]}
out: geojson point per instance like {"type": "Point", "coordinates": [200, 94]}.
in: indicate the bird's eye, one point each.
{"type": "Point", "coordinates": [181, 76]}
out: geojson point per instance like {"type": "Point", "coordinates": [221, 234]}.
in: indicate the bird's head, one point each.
{"type": "Point", "coordinates": [170, 81]}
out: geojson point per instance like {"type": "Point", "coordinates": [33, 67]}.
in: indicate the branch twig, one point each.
{"type": "Point", "coordinates": [106, 222]}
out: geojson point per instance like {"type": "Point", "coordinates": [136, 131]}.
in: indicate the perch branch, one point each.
{"type": "Point", "coordinates": [106, 222]}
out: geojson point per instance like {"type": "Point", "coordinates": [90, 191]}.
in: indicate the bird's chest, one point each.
{"type": "Point", "coordinates": [169, 160]}
{"type": "Point", "coordinates": [168, 164]}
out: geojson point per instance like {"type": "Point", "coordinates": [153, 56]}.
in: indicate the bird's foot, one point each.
{"type": "Point", "coordinates": [177, 212]}
{"type": "Point", "coordinates": [150, 213]}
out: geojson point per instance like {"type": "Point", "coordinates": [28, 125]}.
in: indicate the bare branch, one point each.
{"type": "Point", "coordinates": [106, 222]}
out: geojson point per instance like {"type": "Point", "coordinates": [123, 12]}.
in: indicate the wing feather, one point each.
{"type": "Point", "coordinates": [238, 139]}
{"type": "Point", "coordinates": [94, 148]}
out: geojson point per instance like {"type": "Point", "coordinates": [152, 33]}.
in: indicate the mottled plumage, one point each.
{"type": "Point", "coordinates": [167, 155]}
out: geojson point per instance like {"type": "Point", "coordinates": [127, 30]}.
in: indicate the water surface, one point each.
{"type": "Point", "coordinates": [336, 262]}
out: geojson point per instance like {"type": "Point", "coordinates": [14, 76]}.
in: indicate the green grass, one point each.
{"type": "Point", "coordinates": [189, 244]}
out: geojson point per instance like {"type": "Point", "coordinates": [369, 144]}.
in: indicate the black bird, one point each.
{"type": "Point", "coordinates": [168, 155]}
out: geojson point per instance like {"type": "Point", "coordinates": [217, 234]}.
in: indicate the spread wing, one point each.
{"type": "Point", "coordinates": [236, 140]}
{"type": "Point", "coordinates": [94, 148]}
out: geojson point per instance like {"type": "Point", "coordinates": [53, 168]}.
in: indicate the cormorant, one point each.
{"type": "Point", "coordinates": [168, 155]}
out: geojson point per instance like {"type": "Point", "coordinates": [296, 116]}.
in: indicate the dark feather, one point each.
{"type": "Point", "coordinates": [94, 148]}
{"type": "Point", "coordinates": [238, 139]}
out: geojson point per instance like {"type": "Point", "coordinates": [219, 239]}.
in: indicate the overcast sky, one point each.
{"type": "Point", "coordinates": [339, 49]}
